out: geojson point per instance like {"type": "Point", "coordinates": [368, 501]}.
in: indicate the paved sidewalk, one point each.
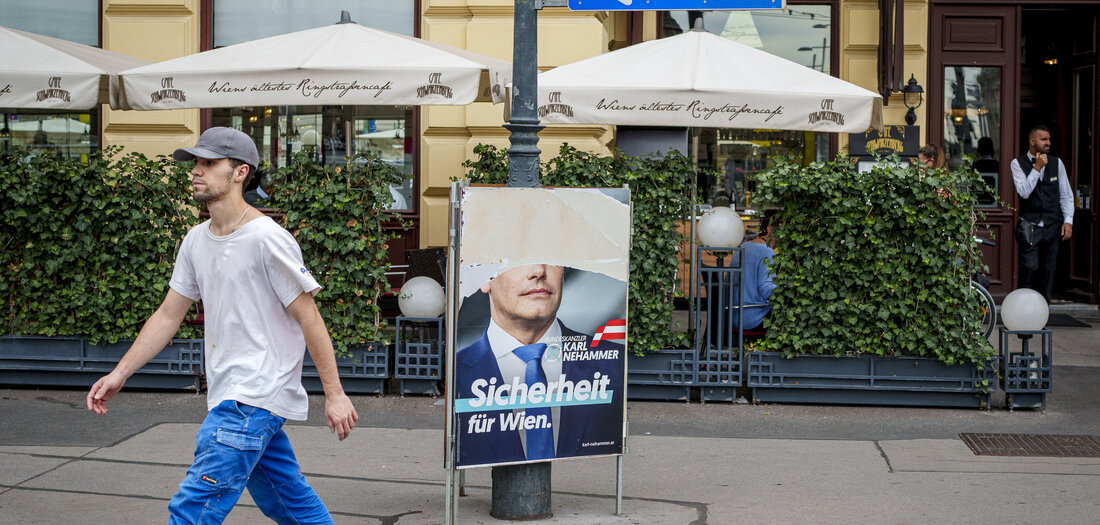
{"type": "Point", "coordinates": [395, 476]}
{"type": "Point", "coordinates": [687, 463]}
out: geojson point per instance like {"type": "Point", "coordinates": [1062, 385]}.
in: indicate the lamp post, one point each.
{"type": "Point", "coordinates": [522, 492]}
{"type": "Point", "coordinates": [523, 156]}
{"type": "Point", "coordinates": [913, 95]}
{"type": "Point", "coordinates": [824, 45]}
{"type": "Point", "coordinates": [5, 133]}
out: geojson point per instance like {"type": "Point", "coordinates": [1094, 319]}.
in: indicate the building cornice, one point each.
{"type": "Point", "coordinates": [147, 10]}
{"type": "Point", "coordinates": [446, 131]}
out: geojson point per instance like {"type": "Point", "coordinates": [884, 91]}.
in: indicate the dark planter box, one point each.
{"type": "Point", "coordinates": [867, 380]}
{"type": "Point", "coordinates": [72, 361]}
{"type": "Point", "coordinates": [363, 372]}
{"type": "Point", "coordinates": [663, 375]}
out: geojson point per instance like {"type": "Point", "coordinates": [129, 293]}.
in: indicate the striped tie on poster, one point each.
{"type": "Point", "coordinates": [614, 329]}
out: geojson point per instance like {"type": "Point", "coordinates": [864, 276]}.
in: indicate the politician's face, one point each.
{"type": "Point", "coordinates": [527, 294]}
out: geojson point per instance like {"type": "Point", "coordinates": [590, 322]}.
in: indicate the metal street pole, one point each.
{"type": "Point", "coordinates": [523, 156]}
{"type": "Point", "coordinates": [522, 492]}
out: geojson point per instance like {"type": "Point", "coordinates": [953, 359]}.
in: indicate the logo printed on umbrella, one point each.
{"type": "Point", "coordinates": [168, 92]}
{"type": "Point", "coordinates": [5, 90]}
{"type": "Point", "coordinates": [827, 114]}
{"type": "Point", "coordinates": [555, 106]}
{"type": "Point", "coordinates": [435, 86]}
{"type": "Point", "coordinates": [54, 91]}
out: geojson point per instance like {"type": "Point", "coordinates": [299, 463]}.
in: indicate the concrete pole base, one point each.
{"type": "Point", "coordinates": [521, 492]}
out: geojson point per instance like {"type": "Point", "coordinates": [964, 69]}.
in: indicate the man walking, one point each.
{"type": "Point", "coordinates": [1046, 211]}
{"type": "Point", "coordinates": [259, 313]}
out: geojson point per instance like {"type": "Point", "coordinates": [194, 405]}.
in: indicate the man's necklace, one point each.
{"type": "Point", "coordinates": [239, 220]}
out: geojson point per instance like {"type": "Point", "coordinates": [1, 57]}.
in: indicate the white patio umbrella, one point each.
{"type": "Point", "coordinates": [41, 72]}
{"type": "Point", "coordinates": [344, 63]}
{"type": "Point", "coordinates": [698, 79]}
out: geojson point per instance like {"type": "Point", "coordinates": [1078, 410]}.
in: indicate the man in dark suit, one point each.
{"type": "Point", "coordinates": [525, 344]}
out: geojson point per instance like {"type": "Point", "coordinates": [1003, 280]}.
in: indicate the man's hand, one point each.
{"type": "Point", "coordinates": [340, 414]}
{"type": "Point", "coordinates": [1040, 161]}
{"type": "Point", "coordinates": [1067, 231]}
{"type": "Point", "coordinates": [104, 389]}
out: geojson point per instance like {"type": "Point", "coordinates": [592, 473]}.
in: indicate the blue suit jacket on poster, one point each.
{"type": "Point", "coordinates": [584, 430]}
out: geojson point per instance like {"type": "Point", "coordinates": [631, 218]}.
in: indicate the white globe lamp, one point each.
{"type": "Point", "coordinates": [1024, 310]}
{"type": "Point", "coordinates": [421, 297]}
{"type": "Point", "coordinates": [721, 227]}
{"type": "Point", "coordinates": [311, 138]}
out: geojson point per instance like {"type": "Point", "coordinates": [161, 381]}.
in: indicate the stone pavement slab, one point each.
{"type": "Point", "coordinates": [18, 468]}
{"type": "Point", "coordinates": [944, 455]}
{"type": "Point", "coordinates": [48, 451]}
{"type": "Point", "coordinates": [34, 507]}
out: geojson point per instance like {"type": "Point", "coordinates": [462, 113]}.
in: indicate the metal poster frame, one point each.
{"type": "Point", "coordinates": [455, 477]}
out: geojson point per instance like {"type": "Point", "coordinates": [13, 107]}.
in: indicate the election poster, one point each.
{"type": "Point", "coordinates": [539, 358]}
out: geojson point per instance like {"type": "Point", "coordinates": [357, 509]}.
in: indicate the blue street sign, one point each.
{"type": "Point", "coordinates": [673, 5]}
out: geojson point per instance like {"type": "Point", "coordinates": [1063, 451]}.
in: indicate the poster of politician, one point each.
{"type": "Point", "coordinates": [540, 347]}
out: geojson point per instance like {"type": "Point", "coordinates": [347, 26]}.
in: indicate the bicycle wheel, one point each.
{"type": "Point", "coordinates": [988, 309]}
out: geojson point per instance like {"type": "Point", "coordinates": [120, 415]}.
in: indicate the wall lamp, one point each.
{"type": "Point", "coordinates": [913, 97]}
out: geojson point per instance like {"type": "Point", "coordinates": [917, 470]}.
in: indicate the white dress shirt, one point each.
{"type": "Point", "coordinates": [1025, 184]}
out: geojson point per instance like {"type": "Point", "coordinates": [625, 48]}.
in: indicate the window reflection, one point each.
{"type": "Point", "coordinates": [972, 123]}
{"type": "Point", "coordinates": [73, 21]}
{"type": "Point", "coordinates": [322, 131]}
{"type": "Point", "coordinates": [69, 135]}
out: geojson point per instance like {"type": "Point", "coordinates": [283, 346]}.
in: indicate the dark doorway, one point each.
{"type": "Point", "coordinates": [995, 70]}
{"type": "Point", "coordinates": [1058, 72]}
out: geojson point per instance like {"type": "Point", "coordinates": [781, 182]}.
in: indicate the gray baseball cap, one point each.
{"type": "Point", "coordinates": [222, 143]}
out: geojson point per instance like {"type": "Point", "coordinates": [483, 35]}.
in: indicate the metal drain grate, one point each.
{"type": "Point", "coordinates": [1034, 445]}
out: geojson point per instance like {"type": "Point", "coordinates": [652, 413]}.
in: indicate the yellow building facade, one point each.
{"type": "Point", "coordinates": [158, 30]}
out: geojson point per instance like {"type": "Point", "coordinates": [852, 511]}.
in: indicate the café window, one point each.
{"type": "Point", "coordinates": [800, 33]}
{"type": "Point", "coordinates": [323, 133]}
{"type": "Point", "coordinates": [237, 21]}
{"type": "Point", "coordinates": [69, 134]}
{"type": "Point", "coordinates": [330, 134]}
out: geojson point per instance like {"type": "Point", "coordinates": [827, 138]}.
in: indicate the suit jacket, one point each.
{"type": "Point", "coordinates": [584, 430]}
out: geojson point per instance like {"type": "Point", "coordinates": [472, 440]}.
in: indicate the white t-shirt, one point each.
{"type": "Point", "coordinates": [254, 348]}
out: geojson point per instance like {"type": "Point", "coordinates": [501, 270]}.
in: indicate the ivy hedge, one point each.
{"type": "Point", "coordinates": [337, 213]}
{"type": "Point", "coordinates": [87, 250]}
{"type": "Point", "coordinates": [660, 192]}
{"type": "Point", "coordinates": [874, 263]}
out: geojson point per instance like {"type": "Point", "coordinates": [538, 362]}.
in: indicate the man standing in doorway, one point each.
{"type": "Point", "coordinates": [1046, 211]}
{"type": "Point", "coordinates": [259, 317]}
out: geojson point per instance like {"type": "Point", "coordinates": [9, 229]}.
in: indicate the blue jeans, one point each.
{"type": "Point", "coordinates": [237, 446]}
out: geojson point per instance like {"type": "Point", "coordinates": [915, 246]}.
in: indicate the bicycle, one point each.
{"type": "Point", "coordinates": [987, 304]}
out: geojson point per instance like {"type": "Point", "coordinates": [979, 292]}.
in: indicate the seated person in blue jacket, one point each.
{"type": "Point", "coordinates": [527, 353]}
{"type": "Point", "coordinates": [757, 277]}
